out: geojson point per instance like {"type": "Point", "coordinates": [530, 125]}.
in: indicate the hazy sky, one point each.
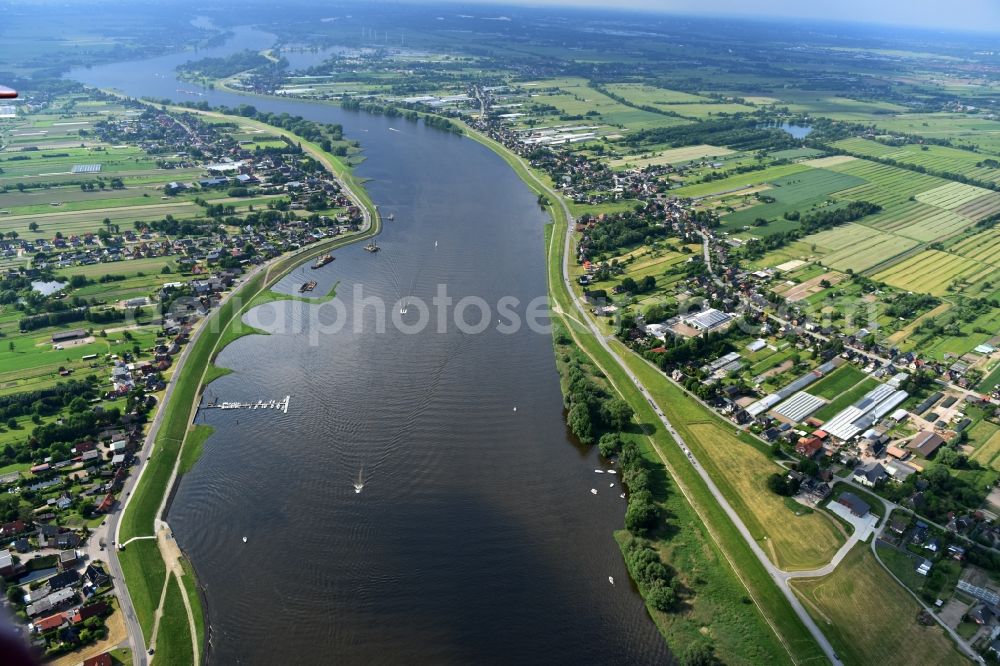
{"type": "Point", "coordinates": [979, 15]}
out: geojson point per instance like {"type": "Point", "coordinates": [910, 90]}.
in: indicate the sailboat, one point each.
{"type": "Point", "coordinates": [359, 484]}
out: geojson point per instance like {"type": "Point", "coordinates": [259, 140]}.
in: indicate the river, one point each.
{"type": "Point", "coordinates": [476, 538]}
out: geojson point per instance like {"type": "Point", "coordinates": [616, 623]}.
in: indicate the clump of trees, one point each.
{"type": "Point", "coordinates": [590, 409]}
{"type": "Point", "coordinates": [782, 485]}
{"type": "Point", "coordinates": [649, 572]}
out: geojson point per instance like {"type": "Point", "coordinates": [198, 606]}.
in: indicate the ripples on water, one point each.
{"type": "Point", "coordinates": [476, 538]}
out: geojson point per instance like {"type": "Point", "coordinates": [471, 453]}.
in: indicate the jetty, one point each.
{"type": "Point", "coordinates": [280, 405]}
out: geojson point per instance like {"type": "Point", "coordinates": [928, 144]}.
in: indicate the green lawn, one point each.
{"type": "Point", "coordinates": [173, 642]}
{"type": "Point", "coordinates": [869, 627]}
{"type": "Point", "coordinates": [846, 399]}
{"type": "Point", "coordinates": [756, 635]}
{"type": "Point", "coordinates": [145, 573]}
{"type": "Point", "coordinates": [837, 382]}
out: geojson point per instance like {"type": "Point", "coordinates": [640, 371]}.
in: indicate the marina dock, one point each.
{"type": "Point", "coordinates": [281, 405]}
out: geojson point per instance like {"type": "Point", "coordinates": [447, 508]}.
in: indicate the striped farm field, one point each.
{"type": "Point", "coordinates": [983, 207]}
{"type": "Point", "coordinates": [856, 247]}
{"type": "Point", "coordinates": [864, 147]}
{"type": "Point", "coordinates": [887, 185]}
{"type": "Point", "coordinates": [931, 271]}
{"type": "Point", "coordinates": [984, 246]}
{"type": "Point", "coordinates": [919, 221]}
{"type": "Point", "coordinates": [672, 156]}
{"type": "Point", "coordinates": [988, 452]}
{"type": "Point", "coordinates": [953, 195]}
{"type": "Point", "coordinates": [935, 158]}
{"type": "Point", "coordinates": [832, 160]}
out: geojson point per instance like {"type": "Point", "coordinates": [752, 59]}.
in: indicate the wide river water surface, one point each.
{"type": "Point", "coordinates": [476, 538]}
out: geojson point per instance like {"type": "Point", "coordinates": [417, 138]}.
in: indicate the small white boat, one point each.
{"type": "Point", "coordinates": [612, 471]}
{"type": "Point", "coordinates": [244, 539]}
{"type": "Point", "coordinates": [393, 129]}
{"type": "Point", "coordinates": [515, 409]}
{"type": "Point", "coordinates": [598, 471]}
{"type": "Point", "coordinates": [611, 579]}
{"type": "Point", "coordinates": [435, 243]}
{"type": "Point", "coordinates": [611, 486]}
{"type": "Point", "coordinates": [593, 491]}
{"type": "Point", "coordinates": [360, 482]}
{"type": "Point", "coordinates": [622, 495]}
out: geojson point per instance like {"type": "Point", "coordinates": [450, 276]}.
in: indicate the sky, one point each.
{"type": "Point", "coordinates": [977, 15]}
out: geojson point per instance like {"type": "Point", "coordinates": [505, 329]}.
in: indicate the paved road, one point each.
{"type": "Point", "coordinates": [135, 638]}
{"type": "Point", "coordinates": [747, 303]}
{"type": "Point", "coordinates": [776, 573]}
{"type": "Point", "coordinates": [863, 528]}
{"type": "Point", "coordinates": [961, 642]}
{"type": "Point", "coordinates": [113, 524]}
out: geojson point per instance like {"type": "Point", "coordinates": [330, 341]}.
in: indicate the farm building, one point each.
{"type": "Point", "coordinates": [857, 506]}
{"type": "Point", "coordinates": [769, 401]}
{"type": "Point", "coordinates": [863, 414]}
{"type": "Point", "coordinates": [799, 406]}
{"type": "Point", "coordinates": [926, 443]}
{"type": "Point", "coordinates": [707, 320]}
{"type": "Point", "coordinates": [928, 403]}
{"type": "Point", "coordinates": [74, 334]}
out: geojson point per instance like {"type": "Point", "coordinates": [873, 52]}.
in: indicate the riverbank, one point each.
{"type": "Point", "coordinates": [742, 606]}
{"type": "Point", "coordinates": [732, 595]}
{"type": "Point", "coordinates": [173, 446]}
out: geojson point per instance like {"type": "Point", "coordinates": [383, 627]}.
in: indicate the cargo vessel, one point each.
{"type": "Point", "coordinates": [322, 261]}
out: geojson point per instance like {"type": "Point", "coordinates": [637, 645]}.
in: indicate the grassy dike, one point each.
{"type": "Point", "coordinates": [731, 600]}
{"type": "Point", "coordinates": [176, 441]}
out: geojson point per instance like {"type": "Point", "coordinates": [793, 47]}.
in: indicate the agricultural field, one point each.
{"type": "Point", "coordinates": [801, 192]}
{"type": "Point", "coordinates": [961, 129]}
{"type": "Point", "coordinates": [886, 186]}
{"type": "Point", "coordinates": [640, 263]}
{"type": "Point", "coordinates": [930, 157]}
{"type": "Point", "coordinates": [573, 97]}
{"type": "Point", "coordinates": [855, 247]}
{"type": "Point", "coordinates": [933, 271]}
{"type": "Point", "coordinates": [984, 246]}
{"type": "Point", "coordinates": [968, 336]}
{"type": "Point", "coordinates": [646, 95]}
{"type": "Point", "coordinates": [671, 156]}
{"type": "Point", "coordinates": [743, 471]}
{"type": "Point", "coordinates": [835, 106]}
{"type": "Point", "coordinates": [796, 154]}
{"type": "Point", "coordinates": [986, 438]}
{"type": "Point", "coordinates": [829, 161]}
{"type": "Point", "coordinates": [919, 221]}
{"type": "Point", "coordinates": [740, 181]}
{"type": "Point", "coordinates": [871, 619]}
{"type": "Point", "coordinates": [837, 382]}
{"type": "Point", "coordinates": [963, 198]}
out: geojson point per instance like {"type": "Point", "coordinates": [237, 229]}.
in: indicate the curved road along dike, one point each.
{"type": "Point", "coordinates": [779, 576]}
{"type": "Point", "coordinates": [370, 227]}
